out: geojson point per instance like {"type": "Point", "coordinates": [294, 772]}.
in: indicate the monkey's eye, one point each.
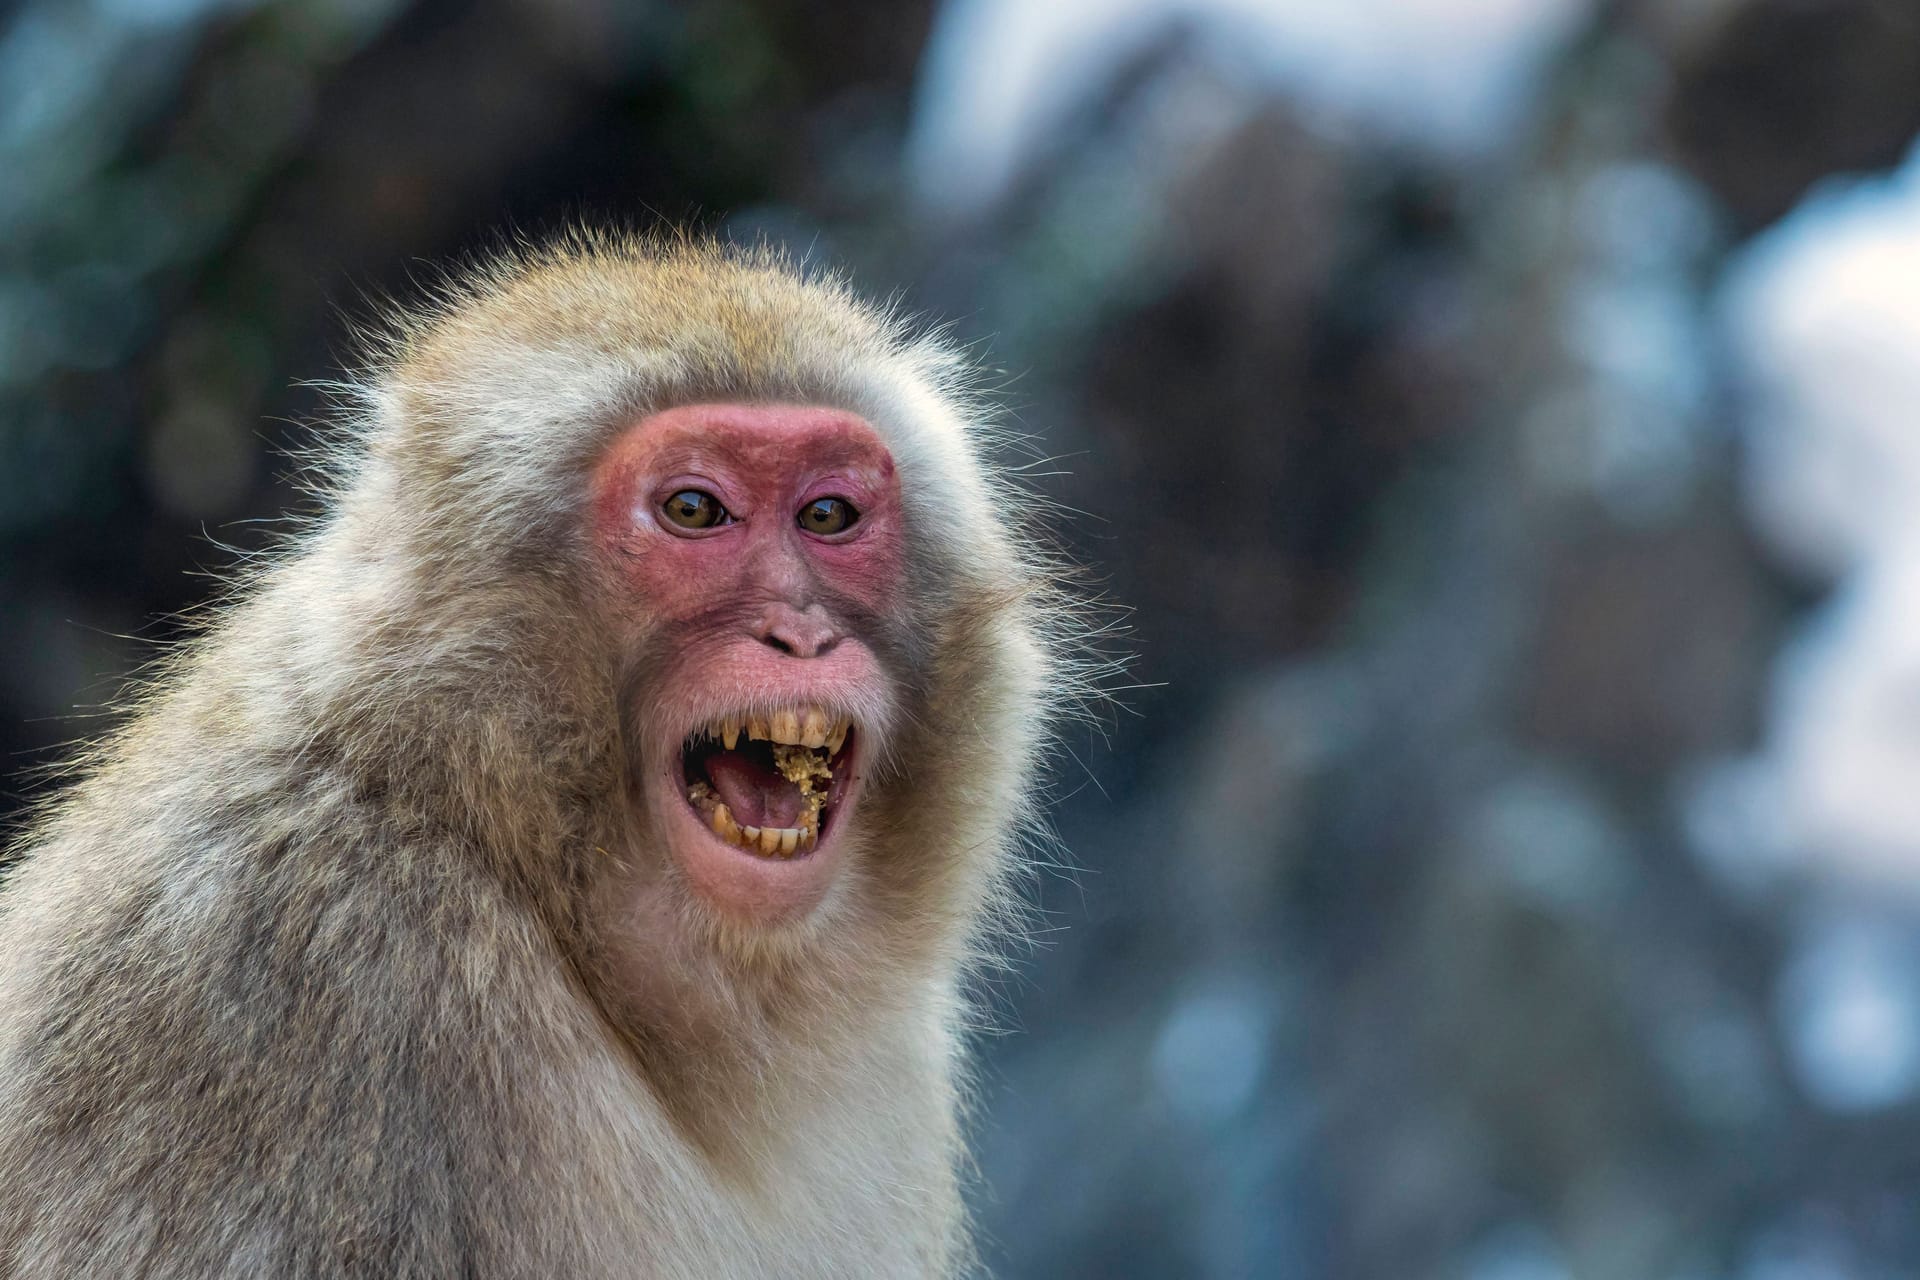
{"type": "Point", "coordinates": [693, 509]}
{"type": "Point", "coordinates": [828, 515]}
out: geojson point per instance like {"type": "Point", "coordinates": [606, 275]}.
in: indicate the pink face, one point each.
{"type": "Point", "coordinates": [752, 549]}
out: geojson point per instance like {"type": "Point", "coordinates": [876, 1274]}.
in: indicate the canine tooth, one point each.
{"type": "Point", "coordinates": [789, 840]}
{"type": "Point", "coordinates": [838, 737]}
{"type": "Point", "coordinates": [809, 837]}
{"type": "Point", "coordinates": [769, 839]}
{"type": "Point", "coordinates": [756, 728]}
{"type": "Point", "coordinates": [721, 820]}
{"type": "Point", "coordinates": [730, 732]}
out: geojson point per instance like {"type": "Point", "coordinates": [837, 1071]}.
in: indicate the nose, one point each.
{"type": "Point", "coordinates": [803, 633]}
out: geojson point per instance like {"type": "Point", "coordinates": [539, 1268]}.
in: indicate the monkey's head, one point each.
{"type": "Point", "coordinates": [734, 634]}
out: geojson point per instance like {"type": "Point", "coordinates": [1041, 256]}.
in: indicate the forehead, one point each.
{"type": "Point", "coordinates": [755, 438]}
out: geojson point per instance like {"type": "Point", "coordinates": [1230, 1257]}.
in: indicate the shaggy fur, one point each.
{"type": "Point", "coordinates": [314, 972]}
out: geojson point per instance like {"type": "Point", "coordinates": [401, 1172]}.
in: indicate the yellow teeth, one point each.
{"type": "Point", "coordinates": [784, 727]}
{"type": "Point", "coordinates": [791, 726]}
{"type": "Point", "coordinates": [813, 729]}
{"type": "Point", "coordinates": [771, 842]}
{"type": "Point", "coordinates": [798, 735]}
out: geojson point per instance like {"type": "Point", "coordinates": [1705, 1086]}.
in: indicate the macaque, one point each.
{"type": "Point", "coordinates": [566, 858]}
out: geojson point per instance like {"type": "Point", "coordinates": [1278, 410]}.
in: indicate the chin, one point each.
{"type": "Point", "coordinates": [758, 806]}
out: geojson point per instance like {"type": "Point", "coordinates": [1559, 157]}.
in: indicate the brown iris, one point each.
{"type": "Point", "coordinates": [828, 515]}
{"type": "Point", "coordinates": [693, 509]}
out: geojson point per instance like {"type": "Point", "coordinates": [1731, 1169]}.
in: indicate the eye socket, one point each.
{"type": "Point", "coordinates": [828, 515]}
{"type": "Point", "coordinates": [693, 509]}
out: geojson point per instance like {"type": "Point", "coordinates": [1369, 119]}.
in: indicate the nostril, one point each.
{"type": "Point", "coordinates": [798, 633]}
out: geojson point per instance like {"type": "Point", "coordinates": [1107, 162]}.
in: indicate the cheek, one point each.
{"type": "Point", "coordinates": [675, 579]}
{"type": "Point", "coordinates": [870, 573]}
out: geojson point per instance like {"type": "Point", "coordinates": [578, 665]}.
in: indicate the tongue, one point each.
{"type": "Point", "coordinates": [756, 794]}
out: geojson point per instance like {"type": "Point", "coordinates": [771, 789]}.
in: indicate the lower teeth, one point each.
{"type": "Point", "coordinates": [776, 842]}
{"type": "Point", "coordinates": [772, 842]}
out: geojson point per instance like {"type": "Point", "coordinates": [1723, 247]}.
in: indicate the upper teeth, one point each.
{"type": "Point", "coordinates": [790, 726]}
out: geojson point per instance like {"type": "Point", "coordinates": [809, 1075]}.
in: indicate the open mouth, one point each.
{"type": "Point", "coordinates": [769, 783]}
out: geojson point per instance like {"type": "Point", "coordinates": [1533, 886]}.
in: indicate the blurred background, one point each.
{"type": "Point", "coordinates": [1499, 415]}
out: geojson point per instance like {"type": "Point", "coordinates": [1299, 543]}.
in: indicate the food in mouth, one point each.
{"type": "Point", "coordinates": [767, 783]}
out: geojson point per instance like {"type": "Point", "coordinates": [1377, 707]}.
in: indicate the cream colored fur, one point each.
{"type": "Point", "coordinates": [317, 969]}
